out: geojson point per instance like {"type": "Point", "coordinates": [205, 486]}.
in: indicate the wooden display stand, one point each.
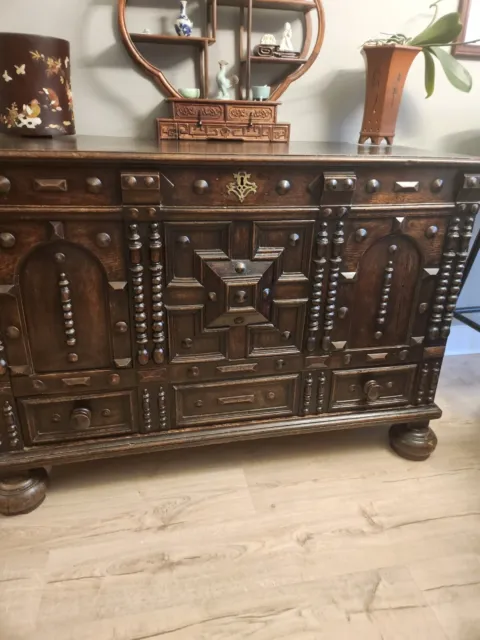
{"type": "Point", "coordinates": [241, 118]}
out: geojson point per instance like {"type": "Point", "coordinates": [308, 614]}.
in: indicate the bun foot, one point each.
{"type": "Point", "coordinates": [414, 442]}
{"type": "Point", "coordinates": [23, 492]}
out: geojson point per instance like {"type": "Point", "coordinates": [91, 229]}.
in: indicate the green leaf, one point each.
{"type": "Point", "coordinates": [429, 73]}
{"type": "Point", "coordinates": [455, 72]}
{"type": "Point", "coordinates": [445, 30]}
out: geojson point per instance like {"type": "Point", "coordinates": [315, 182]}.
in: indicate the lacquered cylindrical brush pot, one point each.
{"type": "Point", "coordinates": [35, 86]}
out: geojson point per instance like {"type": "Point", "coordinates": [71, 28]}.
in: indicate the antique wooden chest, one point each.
{"type": "Point", "coordinates": [195, 293]}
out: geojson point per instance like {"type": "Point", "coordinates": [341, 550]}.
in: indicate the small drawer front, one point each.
{"type": "Point", "coordinates": [365, 388]}
{"type": "Point", "coordinates": [237, 400]}
{"type": "Point", "coordinates": [58, 185]}
{"type": "Point", "coordinates": [48, 419]}
{"type": "Point", "coordinates": [242, 186]}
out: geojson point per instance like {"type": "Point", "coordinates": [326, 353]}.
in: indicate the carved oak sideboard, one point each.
{"type": "Point", "coordinates": [199, 293]}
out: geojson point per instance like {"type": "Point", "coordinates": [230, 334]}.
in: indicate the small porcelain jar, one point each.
{"type": "Point", "coordinates": [183, 24]}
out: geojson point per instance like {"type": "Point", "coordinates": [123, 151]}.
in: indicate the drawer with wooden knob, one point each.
{"type": "Point", "coordinates": [57, 419]}
{"type": "Point", "coordinates": [240, 186]}
{"type": "Point", "coordinates": [214, 402]}
{"type": "Point", "coordinates": [379, 387]}
{"type": "Point", "coordinates": [62, 186]}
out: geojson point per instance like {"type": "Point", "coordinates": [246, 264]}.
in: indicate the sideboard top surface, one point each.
{"type": "Point", "coordinates": [129, 149]}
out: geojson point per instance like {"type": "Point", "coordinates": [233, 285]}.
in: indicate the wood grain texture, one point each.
{"type": "Point", "coordinates": [316, 538]}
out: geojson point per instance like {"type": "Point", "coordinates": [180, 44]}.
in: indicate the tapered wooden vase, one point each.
{"type": "Point", "coordinates": [387, 70]}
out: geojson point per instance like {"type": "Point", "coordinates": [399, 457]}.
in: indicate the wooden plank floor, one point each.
{"type": "Point", "coordinates": [326, 537]}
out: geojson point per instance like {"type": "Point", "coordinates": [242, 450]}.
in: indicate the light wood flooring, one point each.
{"type": "Point", "coordinates": [323, 537]}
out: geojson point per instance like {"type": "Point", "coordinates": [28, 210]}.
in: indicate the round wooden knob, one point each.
{"type": "Point", "coordinates": [194, 372]}
{"type": "Point", "coordinates": [372, 186]}
{"type": "Point", "coordinates": [200, 187]}
{"type": "Point", "coordinates": [372, 390]}
{"type": "Point", "coordinates": [13, 333]}
{"type": "Point", "coordinates": [72, 357]}
{"type": "Point", "coordinates": [106, 413]}
{"type": "Point", "coordinates": [212, 296]}
{"type": "Point", "coordinates": [241, 267]}
{"type": "Point", "coordinates": [279, 364]}
{"type": "Point", "coordinates": [472, 182]}
{"type": "Point", "coordinates": [103, 240]}
{"type": "Point", "coordinates": [7, 240]}
{"type": "Point", "coordinates": [286, 335]}
{"type": "Point", "coordinates": [183, 241]}
{"type": "Point", "coordinates": [271, 395]}
{"type": "Point", "coordinates": [121, 327]}
{"type": "Point", "coordinates": [240, 296]}
{"type": "Point", "coordinates": [360, 235]}
{"type": "Point", "coordinates": [131, 181]}
{"type": "Point", "coordinates": [114, 379]}
{"type": "Point", "coordinates": [149, 181]}
{"type": "Point", "coordinates": [293, 239]}
{"type": "Point", "coordinates": [187, 343]}
{"type": "Point", "coordinates": [283, 187]}
{"type": "Point", "coordinates": [81, 418]}
{"type": "Point", "coordinates": [5, 185]}
{"type": "Point", "coordinates": [94, 185]}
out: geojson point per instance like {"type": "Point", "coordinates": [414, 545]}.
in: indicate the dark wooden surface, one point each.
{"type": "Point", "coordinates": [158, 298]}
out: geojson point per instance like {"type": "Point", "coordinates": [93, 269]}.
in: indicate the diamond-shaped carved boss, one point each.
{"type": "Point", "coordinates": [239, 291]}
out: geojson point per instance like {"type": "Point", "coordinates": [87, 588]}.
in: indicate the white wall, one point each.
{"type": "Point", "coordinates": [112, 97]}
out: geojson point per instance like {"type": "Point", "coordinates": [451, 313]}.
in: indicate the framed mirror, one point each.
{"type": "Point", "coordinates": [470, 16]}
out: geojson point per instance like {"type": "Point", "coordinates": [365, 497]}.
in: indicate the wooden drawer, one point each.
{"type": "Point", "coordinates": [239, 186]}
{"type": "Point", "coordinates": [366, 388]}
{"type": "Point", "coordinates": [235, 400]}
{"type": "Point", "coordinates": [63, 186]}
{"type": "Point", "coordinates": [48, 419]}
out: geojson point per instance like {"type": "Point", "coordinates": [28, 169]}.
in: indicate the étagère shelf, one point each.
{"type": "Point", "coordinates": [240, 118]}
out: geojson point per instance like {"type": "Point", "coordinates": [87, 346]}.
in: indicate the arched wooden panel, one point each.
{"type": "Point", "coordinates": [64, 294]}
{"type": "Point", "coordinates": [385, 293]}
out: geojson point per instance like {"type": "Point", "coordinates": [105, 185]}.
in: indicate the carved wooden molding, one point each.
{"type": "Point", "coordinates": [320, 262]}
{"type": "Point", "coordinates": [322, 379]}
{"type": "Point", "coordinates": [422, 383]}
{"type": "Point", "coordinates": [456, 281]}
{"type": "Point", "coordinates": [137, 271]}
{"type": "Point", "coordinates": [338, 241]}
{"type": "Point", "coordinates": [443, 282]}
{"type": "Point", "coordinates": [68, 320]}
{"type": "Point", "coordinates": [307, 394]}
{"type": "Point", "coordinates": [434, 382]}
{"type": "Point", "coordinates": [13, 431]}
{"type": "Point", "coordinates": [158, 312]}
{"type": "Point", "coordinates": [3, 360]}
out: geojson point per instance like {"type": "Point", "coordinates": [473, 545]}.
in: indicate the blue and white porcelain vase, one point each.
{"type": "Point", "coordinates": [183, 24]}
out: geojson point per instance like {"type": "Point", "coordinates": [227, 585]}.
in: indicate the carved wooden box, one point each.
{"type": "Point", "coordinates": [155, 299]}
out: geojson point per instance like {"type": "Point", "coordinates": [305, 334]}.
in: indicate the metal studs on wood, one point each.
{"type": "Point", "coordinates": [319, 265]}
{"type": "Point", "coordinates": [162, 409]}
{"type": "Point", "coordinates": [137, 270]}
{"type": "Point", "coordinates": [322, 378]}
{"type": "Point", "coordinates": [335, 262]}
{"type": "Point", "coordinates": [307, 394]}
{"type": "Point", "coordinates": [158, 317]}
{"type": "Point", "coordinates": [66, 300]}
{"type": "Point", "coordinates": [385, 294]}
{"type": "Point", "coordinates": [147, 413]}
{"type": "Point", "coordinates": [13, 432]}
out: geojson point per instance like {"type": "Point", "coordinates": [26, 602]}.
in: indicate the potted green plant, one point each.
{"type": "Point", "coordinates": [388, 62]}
